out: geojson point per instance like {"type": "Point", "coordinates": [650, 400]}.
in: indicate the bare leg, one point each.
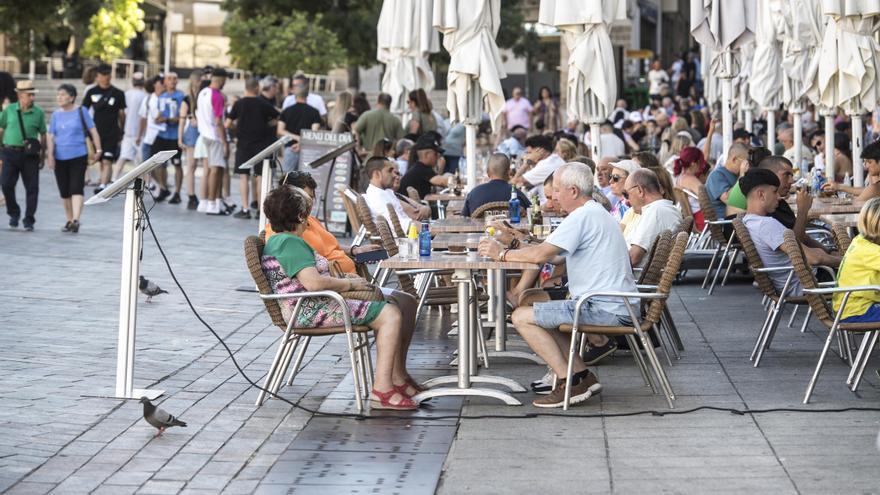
{"type": "Point", "coordinates": [551, 345]}
{"type": "Point", "coordinates": [387, 329]}
{"type": "Point", "coordinates": [106, 171]}
{"type": "Point", "coordinates": [68, 209]}
{"type": "Point", "coordinates": [190, 170]}
{"type": "Point", "coordinates": [206, 178]}
{"type": "Point", "coordinates": [526, 281]}
{"type": "Point", "coordinates": [255, 187]}
{"type": "Point", "coordinates": [117, 168]}
{"type": "Point", "coordinates": [214, 181]}
{"type": "Point", "coordinates": [178, 178]}
{"type": "Point", "coordinates": [407, 305]}
{"type": "Point", "coordinates": [77, 203]}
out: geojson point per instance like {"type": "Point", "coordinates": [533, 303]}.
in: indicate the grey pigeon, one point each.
{"type": "Point", "coordinates": [150, 289]}
{"type": "Point", "coordinates": [158, 417]}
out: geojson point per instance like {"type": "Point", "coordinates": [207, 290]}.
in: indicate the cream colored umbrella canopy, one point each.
{"type": "Point", "coordinates": [406, 37]}
{"type": "Point", "coordinates": [592, 80]}
{"type": "Point", "coordinates": [469, 28]}
{"type": "Point", "coordinates": [765, 84]}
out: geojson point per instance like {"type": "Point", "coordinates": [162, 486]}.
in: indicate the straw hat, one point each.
{"type": "Point", "coordinates": [25, 86]}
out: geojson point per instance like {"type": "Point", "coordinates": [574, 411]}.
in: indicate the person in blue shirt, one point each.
{"type": "Point", "coordinates": [167, 140]}
{"type": "Point", "coordinates": [67, 152]}
{"type": "Point", "coordinates": [722, 179]}
{"type": "Point", "coordinates": [515, 144]}
{"type": "Point", "coordinates": [497, 189]}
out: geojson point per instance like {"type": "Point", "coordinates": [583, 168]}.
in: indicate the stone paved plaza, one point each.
{"type": "Point", "coordinates": [58, 325]}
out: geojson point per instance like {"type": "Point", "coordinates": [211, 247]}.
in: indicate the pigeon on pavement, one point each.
{"type": "Point", "coordinates": [158, 417]}
{"type": "Point", "coordinates": [150, 289]}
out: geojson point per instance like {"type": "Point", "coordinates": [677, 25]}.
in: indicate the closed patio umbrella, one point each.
{"type": "Point", "coordinates": [724, 26]}
{"type": "Point", "coordinates": [847, 66]}
{"type": "Point", "coordinates": [475, 70]}
{"type": "Point", "coordinates": [765, 84]}
{"type": "Point", "coordinates": [405, 38]}
{"type": "Point", "coordinates": [592, 81]}
{"type": "Point", "coordinates": [742, 85]}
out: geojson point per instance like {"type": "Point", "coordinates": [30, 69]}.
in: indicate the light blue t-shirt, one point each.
{"type": "Point", "coordinates": [511, 147]}
{"type": "Point", "coordinates": [767, 236]}
{"type": "Point", "coordinates": [169, 107]}
{"type": "Point", "coordinates": [596, 256]}
{"type": "Point", "coordinates": [719, 182]}
{"type": "Point", "coordinates": [70, 137]}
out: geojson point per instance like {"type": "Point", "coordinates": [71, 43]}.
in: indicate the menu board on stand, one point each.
{"type": "Point", "coordinates": [328, 206]}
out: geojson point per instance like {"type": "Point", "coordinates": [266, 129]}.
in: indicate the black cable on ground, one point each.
{"type": "Point", "coordinates": [672, 412]}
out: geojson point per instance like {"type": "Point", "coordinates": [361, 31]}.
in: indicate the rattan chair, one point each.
{"type": "Point", "coordinates": [840, 234]}
{"type": "Point", "coordinates": [775, 302]}
{"type": "Point", "coordinates": [640, 328]}
{"type": "Point", "coordinates": [725, 246]}
{"type": "Point", "coordinates": [413, 194]}
{"type": "Point", "coordinates": [817, 298]}
{"type": "Point", "coordinates": [395, 222]}
{"type": "Point", "coordinates": [366, 217]}
{"type": "Point", "coordinates": [495, 207]}
{"type": "Point", "coordinates": [349, 202]}
{"type": "Point", "coordinates": [293, 338]}
{"type": "Point", "coordinates": [649, 277]}
{"type": "Point", "coordinates": [681, 198]}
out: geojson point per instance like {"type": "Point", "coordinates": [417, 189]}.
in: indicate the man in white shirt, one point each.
{"type": "Point", "coordinates": [642, 189]}
{"type": "Point", "coordinates": [609, 143]}
{"type": "Point", "coordinates": [312, 99]}
{"type": "Point", "coordinates": [147, 113]}
{"type": "Point", "coordinates": [379, 194]}
{"type": "Point", "coordinates": [539, 162]}
{"type": "Point", "coordinates": [129, 149]}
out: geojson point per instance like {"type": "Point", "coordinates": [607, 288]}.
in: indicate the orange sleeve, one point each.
{"type": "Point", "coordinates": [326, 244]}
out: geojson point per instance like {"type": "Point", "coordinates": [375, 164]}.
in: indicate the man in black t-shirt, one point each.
{"type": "Point", "coordinates": [108, 105]}
{"type": "Point", "coordinates": [253, 119]}
{"type": "Point", "coordinates": [293, 119]}
{"type": "Point", "coordinates": [422, 175]}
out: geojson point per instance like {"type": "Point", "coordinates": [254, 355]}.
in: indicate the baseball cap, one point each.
{"type": "Point", "coordinates": [428, 141]}
{"type": "Point", "coordinates": [741, 134]}
{"type": "Point", "coordinates": [219, 72]}
{"type": "Point", "coordinates": [757, 177]}
{"type": "Point", "coordinates": [629, 166]}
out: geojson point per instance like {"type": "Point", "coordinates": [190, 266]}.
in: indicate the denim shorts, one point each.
{"type": "Point", "coordinates": [555, 313]}
{"type": "Point", "coordinates": [190, 135]}
{"type": "Point", "coordinates": [870, 316]}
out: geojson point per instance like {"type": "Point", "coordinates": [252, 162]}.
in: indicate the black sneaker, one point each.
{"type": "Point", "coordinates": [13, 222]}
{"type": "Point", "coordinates": [587, 387]}
{"type": "Point", "coordinates": [243, 214]}
{"type": "Point", "coordinates": [595, 354]}
{"type": "Point", "coordinates": [175, 199]}
{"type": "Point", "coordinates": [254, 205]}
{"type": "Point", "coordinates": [66, 227]}
{"type": "Point", "coordinates": [98, 189]}
{"type": "Point", "coordinates": [228, 207]}
{"type": "Point", "coordinates": [193, 203]}
{"type": "Point", "coordinates": [29, 227]}
{"type": "Point", "coordinates": [163, 195]}
{"type": "Point", "coordinates": [74, 226]}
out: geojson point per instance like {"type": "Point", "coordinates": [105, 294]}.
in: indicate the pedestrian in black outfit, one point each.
{"type": "Point", "coordinates": [108, 103]}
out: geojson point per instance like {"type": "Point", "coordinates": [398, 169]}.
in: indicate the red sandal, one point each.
{"type": "Point", "coordinates": [384, 402]}
{"type": "Point", "coordinates": [406, 390]}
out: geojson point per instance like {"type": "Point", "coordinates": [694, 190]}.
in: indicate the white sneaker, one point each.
{"type": "Point", "coordinates": [203, 206]}
{"type": "Point", "coordinates": [545, 385]}
{"type": "Point", "coordinates": [213, 208]}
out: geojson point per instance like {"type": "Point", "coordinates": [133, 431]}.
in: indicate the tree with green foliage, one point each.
{"type": "Point", "coordinates": [273, 44]}
{"type": "Point", "coordinates": [112, 28]}
{"type": "Point", "coordinates": [51, 21]}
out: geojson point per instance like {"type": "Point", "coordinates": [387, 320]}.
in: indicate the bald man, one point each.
{"type": "Point", "coordinates": [497, 189]}
{"type": "Point", "coordinates": [722, 179]}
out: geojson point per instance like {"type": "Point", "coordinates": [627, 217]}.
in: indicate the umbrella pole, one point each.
{"type": "Point", "coordinates": [727, 112]}
{"type": "Point", "coordinates": [829, 144]}
{"type": "Point", "coordinates": [595, 142]}
{"type": "Point", "coordinates": [771, 130]}
{"type": "Point", "coordinates": [799, 142]}
{"type": "Point", "coordinates": [858, 167]}
{"type": "Point", "coordinates": [749, 119]}
{"type": "Point", "coordinates": [471, 154]}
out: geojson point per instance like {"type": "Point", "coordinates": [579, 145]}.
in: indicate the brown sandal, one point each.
{"type": "Point", "coordinates": [384, 402]}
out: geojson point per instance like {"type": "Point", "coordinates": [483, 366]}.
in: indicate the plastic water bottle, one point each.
{"type": "Point", "coordinates": [513, 208]}
{"type": "Point", "coordinates": [425, 240]}
{"type": "Point", "coordinates": [412, 241]}
{"type": "Point", "coordinates": [818, 181]}
{"type": "Point", "coordinates": [847, 180]}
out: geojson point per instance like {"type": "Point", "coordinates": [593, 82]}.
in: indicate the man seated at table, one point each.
{"type": "Point", "coordinates": [497, 189]}
{"type": "Point", "coordinates": [538, 161]}
{"type": "Point", "coordinates": [761, 187]}
{"type": "Point", "coordinates": [871, 157]}
{"type": "Point", "coordinates": [380, 194]}
{"type": "Point", "coordinates": [421, 173]}
{"type": "Point", "coordinates": [722, 179]}
{"type": "Point", "coordinates": [515, 144]}
{"type": "Point", "coordinates": [590, 241]}
{"type": "Point", "coordinates": [656, 214]}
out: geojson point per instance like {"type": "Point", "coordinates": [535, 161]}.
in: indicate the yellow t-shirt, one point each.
{"type": "Point", "coordinates": [629, 221]}
{"type": "Point", "coordinates": [860, 266]}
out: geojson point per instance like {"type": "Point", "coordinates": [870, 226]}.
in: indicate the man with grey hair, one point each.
{"type": "Point", "coordinates": [300, 84]}
{"type": "Point", "coordinates": [496, 189]}
{"type": "Point", "coordinates": [269, 89]}
{"type": "Point", "coordinates": [656, 214]}
{"type": "Point", "coordinates": [590, 242]}
{"type": "Point", "coordinates": [401, 153]}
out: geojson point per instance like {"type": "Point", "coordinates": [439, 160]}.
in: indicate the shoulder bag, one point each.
{"type": "Point", "coordinates": [32, 146]}
{"type": "Point", "coordinates": [90, 145]}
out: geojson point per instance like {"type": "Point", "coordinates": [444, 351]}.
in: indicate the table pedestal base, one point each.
{"type": "Point", "coordinates": [475, 391]}
{"type": "Point", "coordinates": [497, 380]}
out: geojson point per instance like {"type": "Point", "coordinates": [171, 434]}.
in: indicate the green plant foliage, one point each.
{"type": "Point", "coordinates": [282, 44]}
{"type": "Point", "coordinates": [112, 28]}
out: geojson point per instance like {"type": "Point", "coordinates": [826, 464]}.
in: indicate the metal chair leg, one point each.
{"type": "Point", "coordinates": [571, 350]}
{"type": "Point", "coordinates": [299, 358]}
{"type": "Point", "coordinates": [807, 319]}
{"type": "Point", "coordinates": [831, 334]}
{"type": "Point", "coordinates": [662, 340]}
{"type": "Point", "coordinates": [730, 266]}
{"type": "Point", "coordinates": [658, 369]}
{"type": "Point", "coordinates": [270, 375]}
{"type": "Point", "coordinates": [358, 398]}
{"type": "Point", "coordinates": [711, 264]}
{"type": "Point", "coordinates": [673, 330]}
{"type": "Point", "coordinates": [285, 364]}
{"type": "Point", "coordinates": [640, 361]}
{"type": "Point", "coordinates": [760, 340]}
{"type": "Point", "coordinates": [720, 265]}
{"type": "Point", "coordinates": [794, 311]}
{"type": "Point", "coordinates": [864, 363]}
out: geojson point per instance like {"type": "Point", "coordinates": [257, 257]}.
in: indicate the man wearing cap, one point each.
{"type": "Point", "coordinates": [128, 151]}
{"type": "Point", "coordinates": [107, 103]}
{"type": "Point", "coordinates": [21, 123]}
{"type": "Point", "coordinates": [423, 174]}
{"type": "Point", "coordinates": [761, 187]}
{"type": "Point", "coordinates": [210, 105]}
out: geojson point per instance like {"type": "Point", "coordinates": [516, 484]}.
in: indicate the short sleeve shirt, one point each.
{"type": "Point", "coordinates": [492, 191]}
{"type": "Point", "coordinates": [291, 251]}
{"type": "Point", "coordinates": [860, 266]}
{"type": "Point", "coordinates": [169, 108]}
{"type": "Point", "coordinates": [253, 115]}
{"type": "Point", "coordinates": [766, 234]}
{"type": "Point", "coordinates": [378, 200]}
{"type": "Point", "coordinates": [518, 112]}
{"type": "Point", "coordinates": [209, 107]}
{"type": "Point", "coordinates": [374, 125]}
{"type": "Point", "coordinates": [299, 116]}
{"type": "Point", "coordinates": [656, 217]}
{"type": "Point", "coordinates": [720, 181]}
{"type": "Point", "coordinates": [69, 135]}
{"type": "Point", "coordinates": [418, 176]}
{"type": "Point", "coordinates": [106, 104]}
{"type": "Point", "coordinates": [594, 247]}
{"type": "Point", "coordinates": [133, 99]}
{"type": "Point", "coordinates": [33, 120]}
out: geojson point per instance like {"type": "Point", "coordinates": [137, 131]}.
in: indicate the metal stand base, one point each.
{"type": "Point", "coordinates": [497, 380]}
{"type": "Point", "coordinates": [517, 355]}
{"type": "Point", "coordinates": [473, 391]}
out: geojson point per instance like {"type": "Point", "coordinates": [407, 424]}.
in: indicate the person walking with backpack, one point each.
{"type": "Point", "coordinates": [23, 132]}
{"type": "Point", "coordinates": [67, 152]}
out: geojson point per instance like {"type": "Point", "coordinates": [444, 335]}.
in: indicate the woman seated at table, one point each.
{"type": "Point", "coordinates": [292, 266]}
{"type": "Point", "coordinates": [871, 158]}
{"type": "Point", "coordinates": [691, 170]}
{"type": "Point", "coordinates": [861, 266]}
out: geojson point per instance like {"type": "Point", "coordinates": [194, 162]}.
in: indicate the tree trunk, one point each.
{"type": "Point", "coordinates": [354, 77]}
